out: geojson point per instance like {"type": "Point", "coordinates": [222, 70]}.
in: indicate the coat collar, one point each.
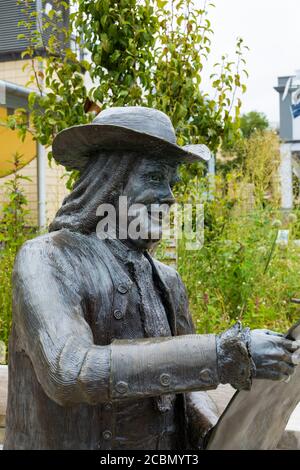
{"type": "Point", "coordinates": [123, 254]}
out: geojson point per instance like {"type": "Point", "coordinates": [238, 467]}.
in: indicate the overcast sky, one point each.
{"type": "Point", "coordinates": [271, 29]}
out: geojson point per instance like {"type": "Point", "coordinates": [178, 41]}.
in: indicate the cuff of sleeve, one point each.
{"type": "Point", "coordinates": [235, 363]}
{"type": "Point", "coordinates": [156, 366]}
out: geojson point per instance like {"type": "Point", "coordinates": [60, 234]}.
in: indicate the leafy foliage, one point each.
{"type": "Point", "coordinates": [153, 53]}
{"type": "Point", "coordinates": [141, 52]}
{"type": "Point", "coordinates": [121, 38]}
{"type": "Point", "coordinates": [257, 156]}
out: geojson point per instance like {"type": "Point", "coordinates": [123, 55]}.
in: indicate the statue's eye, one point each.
{"type": "Point", "coordinates": [155, 177]}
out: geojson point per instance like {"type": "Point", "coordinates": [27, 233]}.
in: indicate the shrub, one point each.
{"type": "Point", "coordinates": [241, 273]}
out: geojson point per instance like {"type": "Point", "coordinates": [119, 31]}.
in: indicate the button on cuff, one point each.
{"type": "Point", "coordinates": [165, 380]}
{"type": "Point", "coordinates": [121, 387]}
{"type": "Point", "coordinates": [205, 376]}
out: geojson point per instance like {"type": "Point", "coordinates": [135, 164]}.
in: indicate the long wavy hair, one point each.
{"type": "Point", "coordinates": [102, 181]}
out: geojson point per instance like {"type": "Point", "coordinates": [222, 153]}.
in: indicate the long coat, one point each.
{"type": "Point", "coordinates": [72, 302]}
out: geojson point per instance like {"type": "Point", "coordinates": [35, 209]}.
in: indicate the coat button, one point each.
{"type": "Point", "coordinates": [118, 314]}
{"type": "Point", "coordinates": [121, 387]}
{"type": "Point", "coordinates": [108, 406]}
{"type": "Point", "coordinates": [122, 288]}
{"type": "Point", "coordinates": [205, 375]}
{"type": "Point", "coordinates": [107, 435]}
{"type": "Point", "coordinates": [165, 380]}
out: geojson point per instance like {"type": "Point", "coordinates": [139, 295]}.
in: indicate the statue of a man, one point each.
{"type": "Point", "coordinates": [103, 351]}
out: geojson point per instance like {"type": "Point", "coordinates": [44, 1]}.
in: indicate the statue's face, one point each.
{"type": "Point", "coordinates": [150, 184]}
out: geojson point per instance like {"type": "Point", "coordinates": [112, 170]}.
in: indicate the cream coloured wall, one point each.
{"type": "Point", "coordinates": [13, 72]}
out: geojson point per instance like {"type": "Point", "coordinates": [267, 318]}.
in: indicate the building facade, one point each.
{"type": "Point", "coordinates": [13, 94]}
{"type": "Point", "coordinates": [11, 72]}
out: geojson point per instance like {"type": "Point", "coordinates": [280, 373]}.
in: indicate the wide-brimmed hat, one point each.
{"type": "Point", "coordinates": [145, 130]}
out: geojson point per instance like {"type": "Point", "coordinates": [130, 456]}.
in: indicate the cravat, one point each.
{"type": "Point", "coordinates": [153, 314]}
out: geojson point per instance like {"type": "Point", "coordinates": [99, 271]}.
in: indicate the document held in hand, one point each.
{"type": "Point", "coordinates": [256, 419]}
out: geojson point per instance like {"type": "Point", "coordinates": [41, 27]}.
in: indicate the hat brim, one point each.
{"type": "Point", "coordinates": [73, 147]}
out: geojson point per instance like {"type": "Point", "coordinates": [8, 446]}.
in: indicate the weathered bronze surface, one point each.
{"type": "Point", "coordinates": [103, 351]}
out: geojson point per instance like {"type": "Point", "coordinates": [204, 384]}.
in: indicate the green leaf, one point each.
{"type": "Point", "coordinates": [51, 14]}
{"type": "Point", "coordinates": [161, 3]}
{"type": "Point", "coordinates": [31, 99]}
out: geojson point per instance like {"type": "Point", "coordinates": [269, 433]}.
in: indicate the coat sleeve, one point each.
{"type": "Point", "coordinates": [201, 411]}
{"type": "Point", "coordinates": [50, 322]}
{"type": "Point", "coordinates": [49, 319]}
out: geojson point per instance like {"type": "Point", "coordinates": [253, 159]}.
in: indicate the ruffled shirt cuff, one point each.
{"type": "Point", "coordinates": [235, 364]}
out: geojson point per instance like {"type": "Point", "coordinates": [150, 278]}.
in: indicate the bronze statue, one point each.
{"type": "Point", "coordinates": [103, 351]}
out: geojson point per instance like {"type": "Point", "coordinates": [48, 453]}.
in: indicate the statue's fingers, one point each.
{"type": "Point", "coordinates": [286, 368]}
{"type": "Point", "coordinates": [296, 358]}
{"type": "Point", "coordinates": [286, 356]}
{"type": "Point", "coordinates": [276, 375]}
{"type": "Point", "coordinates": [289, 345]}
{"type": "Point", "coordinates": [292, 358]}
{"type": "Point", "coordinates": [270, 373]}
{"type": "Point", "coordinates": [280, 371]}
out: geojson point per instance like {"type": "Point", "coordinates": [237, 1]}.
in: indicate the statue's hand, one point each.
{"type": "Point", "coordinates": [274, 356]}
